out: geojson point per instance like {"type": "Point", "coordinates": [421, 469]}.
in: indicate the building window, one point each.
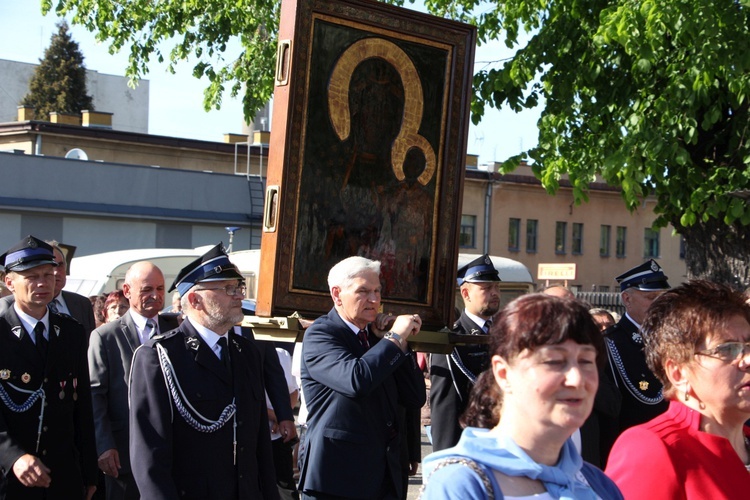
{"type": "Point", "coordinates": [622, 235]}
{"type": "Point", "coordinates": [604, 288]}
{"type": "Point", "coordinates": [651, 243]}
{"type": "Point", "coordinates": [532, 225]}
{"type": "Point", "coordinates": [466, 239]}
{"type": "Point", "coordinates": [514, 234]}
{"type": "Point", "coordinates": [604, 237]}
{"type": "Point", "coordinates": [560, 229]}
{"type": "Point", "coordinates": [577, 243]}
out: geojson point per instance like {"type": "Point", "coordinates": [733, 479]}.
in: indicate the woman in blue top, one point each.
{"type": "Point", "coordinates": [545, 356]}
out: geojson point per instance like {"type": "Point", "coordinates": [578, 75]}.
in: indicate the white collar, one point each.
{"type": "Point", "coordinates": [633, 321]}
{"type": "Point", "coordinates": [62, 306]}
{"type": "Point", "coordinates": [354, 328]}
{"type": "Point", "coordinates": [29, 322]}
{"type": "Point", "coordinates": [140, 321]}
{"type": "Point", "coordinates": [209, 336]}
{"type": "Point", "coordinates": [476, 319]}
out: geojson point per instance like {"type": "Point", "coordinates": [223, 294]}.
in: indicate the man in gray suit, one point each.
{"type": "Point", "coordinates": [111, 350]}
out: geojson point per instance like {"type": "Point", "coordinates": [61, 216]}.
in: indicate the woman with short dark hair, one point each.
{"type": "Point", "coordinates": [697, 342]}
{"type": "Point", "coordinates": [115, 306]}
{"type": "Point", "coordinates": [539, 390]}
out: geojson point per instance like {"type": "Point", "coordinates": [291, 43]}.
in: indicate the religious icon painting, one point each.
{"type": "Point", "coordinates": [367, 153]}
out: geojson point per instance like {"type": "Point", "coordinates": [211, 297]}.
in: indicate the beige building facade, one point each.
{"type": "Point", "coordinates": [505, 215]}
{"type": "Point", "coordinates": [513, 216]}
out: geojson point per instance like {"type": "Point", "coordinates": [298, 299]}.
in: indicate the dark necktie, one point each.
{"type": "Point", "coordinates": [224, 352]}
{"type": "Point", "coordinates": [487, 326]}
{"type": "Point", "coordinates": [362, 335]}
{"type": "Point", "coordinates": [53, 306]}
{"type": "Point", "coordinates": [148, 331]}
{"type": "Point", "coordinates": [41, 342]}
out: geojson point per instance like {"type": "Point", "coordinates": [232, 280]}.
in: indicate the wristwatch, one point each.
{"type": "Point", "coordinates": [396, 337]}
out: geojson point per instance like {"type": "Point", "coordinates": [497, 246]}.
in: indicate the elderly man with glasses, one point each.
{"type": "Point", "coordinates": [198, 421]}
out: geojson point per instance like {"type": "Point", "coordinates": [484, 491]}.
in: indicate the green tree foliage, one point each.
{"type": "Point", "coordinates": [231, 44]}
{"type": "Point", "coordinates": [59, 82]}
{"type": "Point", "coordinates": [650, 95]}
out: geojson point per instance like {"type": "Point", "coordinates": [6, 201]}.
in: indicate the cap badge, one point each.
{"type": "Point", "coordinates": [654, 266]}
{"type": "Point", "coordinates": [32, 243]}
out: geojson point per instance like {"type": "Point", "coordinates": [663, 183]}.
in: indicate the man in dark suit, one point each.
{"type": "Point", "coordinates": [274, 380]}
{"type": "Point", "coordinates": [642, 397]}
{"type": "Point", "coordinates": [46, 425]}
{"type": "Point", "coordinates": [111, 349]}
{"type": "Point", "coordinates": [198, 418]}
{"type": "Point", "coordinates": [70, 303]}
{"type": "Point", "coordinates": [453, 375]}
{"type": "Point", "coordinates": [354, 375]}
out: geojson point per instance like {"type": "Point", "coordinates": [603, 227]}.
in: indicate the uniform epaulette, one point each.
{"type": "Point", "coordinates": [159, 337]}
{"type": "Point", "coordinates": [166, 335]}
{"type": "Point", "coordinates": [612, 329]}
{"type": "Point", "coordinates": [66, 316]}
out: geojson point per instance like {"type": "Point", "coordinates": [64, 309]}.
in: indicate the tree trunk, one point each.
{"type": "Point", "coordinates": [717, 252]}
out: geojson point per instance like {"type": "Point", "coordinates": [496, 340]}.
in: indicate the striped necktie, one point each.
{"type": "Point", "coordinates": [148, 331]}
{"type": "Point", "coordinates": [362, 335]}
{"type": "Point", "coordinates": [54, 306]}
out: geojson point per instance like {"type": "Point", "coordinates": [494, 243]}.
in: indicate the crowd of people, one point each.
{"type": "Point", "coordinates": [658, 399]}
{"type": "Point", "coordinates": [109, 397]}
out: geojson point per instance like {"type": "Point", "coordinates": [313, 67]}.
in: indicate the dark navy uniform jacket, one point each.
{"type": "Point", "coordinates": [352, 446]}
{"type": "Point", "coordinates": [67, 442]}
{"type": "Point", "coordinates": [450, 387]}
{"type": "Point", "coordinates": [640, 389]}
{"type": "Point", "coordinates": [170, 459]}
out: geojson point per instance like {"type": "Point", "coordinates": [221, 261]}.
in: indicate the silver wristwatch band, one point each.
{"type": "Point", "coordinates": [395, 336]}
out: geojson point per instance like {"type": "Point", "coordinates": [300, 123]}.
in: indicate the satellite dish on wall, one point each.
{"type": "Point", "coordinates": [77, 154]}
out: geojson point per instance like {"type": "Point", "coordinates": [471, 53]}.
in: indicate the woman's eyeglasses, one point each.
{"type": "Point", "coordinates": [728, 351]}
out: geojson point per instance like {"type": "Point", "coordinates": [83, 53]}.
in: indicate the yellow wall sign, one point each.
{"type": "Point", "coordinates": [556, 272]}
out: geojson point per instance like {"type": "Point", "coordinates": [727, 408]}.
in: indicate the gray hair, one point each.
{"type": "Point", "coordinates": [342, 274]}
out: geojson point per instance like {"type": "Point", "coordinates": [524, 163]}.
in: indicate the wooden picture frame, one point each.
{"type": "Point", "coordinates": [367, 155]}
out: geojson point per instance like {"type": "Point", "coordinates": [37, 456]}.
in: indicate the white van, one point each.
{"type": "Point", "coordinates": [516, 278]}
{"type": "Point", "coordinates": [105, 272]}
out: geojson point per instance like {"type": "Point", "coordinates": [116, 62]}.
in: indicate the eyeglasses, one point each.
{"type": "Point", "coordinates": [230, 290]}
{"type": "Point", "coordinates": [728, 351]}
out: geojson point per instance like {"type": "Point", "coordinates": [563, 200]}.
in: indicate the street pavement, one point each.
{"type": "Point", "coordinates": [415, 482]}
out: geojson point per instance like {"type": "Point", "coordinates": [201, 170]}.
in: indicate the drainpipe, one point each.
{"type": "Point", "coordinates": [488, 212]}
{"type": "Point", "coordinates": [38, 145]}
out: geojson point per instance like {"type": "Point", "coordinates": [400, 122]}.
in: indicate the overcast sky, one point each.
{"type": "Point", "coordinates": [176, 101]}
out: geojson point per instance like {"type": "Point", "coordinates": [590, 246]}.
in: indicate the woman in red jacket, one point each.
{"type": "Point", "coordinates": [697, 339]}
